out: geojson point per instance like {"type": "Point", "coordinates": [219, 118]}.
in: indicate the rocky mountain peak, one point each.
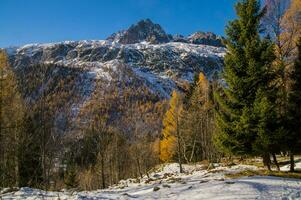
{"type": "Point", "coordinates": [206, 38]}
{"type": "Point", "coordinates": [144, 30]}
{"type": "Point", "coordinates": [147, 31]}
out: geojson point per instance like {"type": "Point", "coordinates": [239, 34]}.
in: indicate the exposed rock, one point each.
{"type": "Point", "coordinates": [144, 30]}
{"type": "Point", "coordinates": [208, 38]}
{"type": "Point", "coordinates": [147, 31]}
{"type": "Point", "coordinates": [204, 181]}
{"type": "Point", "coordinates": [149, 180]}
{"type": "Point", "coordinates": [156, 188]}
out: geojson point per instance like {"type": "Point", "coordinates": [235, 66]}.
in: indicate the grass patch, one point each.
{"type": "Point", "coordinates": [243, 174]}
{"type": "Point", "coordinates": [296, 175]}
{"type": "Point", "coordinates": [214, 171]}
{"type": "Point", "coordinates": [255, 161]}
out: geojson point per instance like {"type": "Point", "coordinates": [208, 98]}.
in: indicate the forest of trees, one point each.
{"type": "Point", "coordinates": [252, 108]}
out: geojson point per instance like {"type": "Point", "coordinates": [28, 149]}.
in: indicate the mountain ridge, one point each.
{"type": "Point", "coordinates": [155, 67]}
{"type": "Point", "coordinates": [146, 30]}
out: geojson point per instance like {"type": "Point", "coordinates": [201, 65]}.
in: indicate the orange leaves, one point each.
{"type": "Point", "coordinates": [171, 126]}
{"type": "Point", "coordinates": [167, 147]}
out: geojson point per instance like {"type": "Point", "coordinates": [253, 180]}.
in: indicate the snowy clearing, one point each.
{"type": "Point", "coordinates": [195, 183]}
{"type": "Point", "coordinates": [286, 168]}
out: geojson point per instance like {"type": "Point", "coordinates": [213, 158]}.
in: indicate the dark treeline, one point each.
{"type": "Point", "coordinates": [122, 130]}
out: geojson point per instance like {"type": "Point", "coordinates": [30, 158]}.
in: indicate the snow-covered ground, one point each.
{"type": "Point", "coordinates": [286, 168]}
{"type": "Point", "coordinates": [195, 183]}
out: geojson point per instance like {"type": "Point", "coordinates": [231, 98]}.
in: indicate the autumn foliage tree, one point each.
{"type": "Point", "coordinates": [171, 144]}
{"type": "Point", "coordinates": [292, 29]}
{"type": "Point", "coordinates": [283, 24]}
{"type": "Point", "coordinates": [11, 116]}
{"type": "Point", "coordinates": [198, 123]}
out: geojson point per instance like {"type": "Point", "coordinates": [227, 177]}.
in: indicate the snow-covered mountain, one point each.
{"type": "Point", "coordinates": [151, 58]}
{"type": "Point", "coordinates": [159, 65]}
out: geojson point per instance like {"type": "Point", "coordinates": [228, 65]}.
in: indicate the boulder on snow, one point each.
{"type": "Point", "coordinates": [166, 175]}
{"type": "Point", "coordinates": [148, 180]}
{"type": "Point", "coordinates": [156, 175]}
{"type": "Point", "coordinates": [156, 188]}
{"type": "Point", "coordinates": [204, 181]}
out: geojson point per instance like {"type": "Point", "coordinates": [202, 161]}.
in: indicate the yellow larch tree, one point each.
{"type": "Point", "coordinates": [170, 144]}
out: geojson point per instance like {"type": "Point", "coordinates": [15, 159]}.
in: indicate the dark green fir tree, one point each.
{"type": "Point", "coordinates": [247, 70]}
{"type": "Point", "coordinates": [293, 138]}
{"type": "Point", "coordinates": [269, 132]}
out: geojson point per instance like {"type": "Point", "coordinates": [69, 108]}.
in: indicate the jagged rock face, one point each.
{"type": "Point", "coordinates": [147, 31]}
{"type": "Point", "coordinates": [179, 38]}
{"type": "Point", "coordinates": [206, 39]}
{"type": "Point", "coordinates": [144, 30]}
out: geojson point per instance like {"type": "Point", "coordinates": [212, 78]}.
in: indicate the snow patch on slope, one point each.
{"type": "Point", "coordinates": [158, 84]}
{"type": "Point", "coordinates": [196, 183]}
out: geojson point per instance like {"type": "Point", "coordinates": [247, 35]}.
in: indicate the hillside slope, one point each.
{"type": "Point", "coordinates": [196, 183]}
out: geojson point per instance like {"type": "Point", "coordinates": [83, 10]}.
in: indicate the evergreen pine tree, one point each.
{"type": "Point", "coordinates": [268, 127]}
{"type": "Point", "coordinates": [246, 71]}
{"type": "Point", "coordinates": [293, 138]}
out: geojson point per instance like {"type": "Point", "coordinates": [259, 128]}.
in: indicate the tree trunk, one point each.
{"type": "Point", "coordinates": [193, 149]}
{"type": "Point", "coordinates": [194, 144]}
{"type": "Point", "coordinates": [16, 160]}
{"type": "Point", "coordinates": [267, 161]}
{"type": "Point", "coordinates": [292, 162]}
{"type": "Point", "coordinates": [275, 161]}
{"type": "Point", "coordinates": [138, 166]}
{"type": "Point", "coordinates": [184, 152]}
{"type": "Point", "coordinates": [179, 147]}
{"type": "Point", "coordinates": [103, 180]}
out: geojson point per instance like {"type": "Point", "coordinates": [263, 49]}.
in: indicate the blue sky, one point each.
{"type": "Point", "coordinates": [40, 21]}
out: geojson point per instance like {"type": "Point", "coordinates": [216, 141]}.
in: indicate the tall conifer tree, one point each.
{"type": "Point", "coordinates": [247, 65]}
{"type": "Point", "coordinates": [293, 138]}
